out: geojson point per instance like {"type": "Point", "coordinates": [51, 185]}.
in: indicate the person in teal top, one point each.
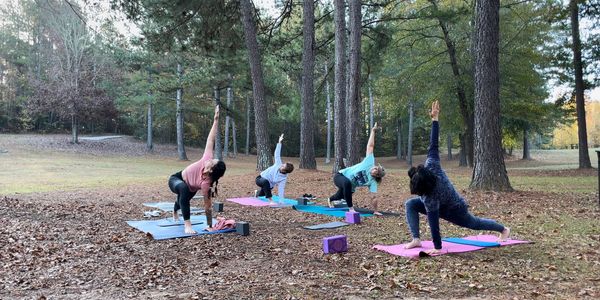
{"type": "Point", "coordinates": [365, 173]}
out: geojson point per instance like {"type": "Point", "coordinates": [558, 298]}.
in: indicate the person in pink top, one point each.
{"type": "Point", "coordinates": [201, 175]}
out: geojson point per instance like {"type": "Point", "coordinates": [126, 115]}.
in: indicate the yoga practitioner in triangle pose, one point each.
{"type": "Point", "coordinates": [274, 175]}
{"type": "Point", "coordinates": [438, 198]}
{"type": "Point", "coordinates": [201, 175]}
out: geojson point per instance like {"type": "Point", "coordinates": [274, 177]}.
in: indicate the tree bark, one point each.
{"type": "Point", "coordinates": [74, 130]}
{"type": "Point", "coordinates": [584, 157]}
{"type": "Point", "coordinates": [307, 144]}
{"type": "Point", "coordinates": [227, 120]}
{"type": "Point", "coordinates": [489, 172]}
{"type": "Point", "coordinates": [399, 139]}
{"type": "Point", "coordinates": [328, 156]}
{"type": "Point", "coordinates": [339, 103]}
{"type": "Point", "coordinates": [218, 148]}
{"type": "Point", "coordinates": [234, 138]}
{"type": "Point", "coordinates": [247, 125]}
{"type": "Point", "coordinates": [370, 104]}
{"type": "Point", "coordinates": [462, 155]}
{"type": "Point", "coordinates": [526, 152]}
{"type": "Point", "coordinates": [179, 117]}
{"type": "Point", "coordinates": [258, 87]}
{"type": "Point", "coordinates": [463, 104]}
{"type": "Point", "coordinates": [149, 144]}
{"type": "Point", "coordinates": [411, 116]}
{"type": "Point", "coordinates": [353, 144]}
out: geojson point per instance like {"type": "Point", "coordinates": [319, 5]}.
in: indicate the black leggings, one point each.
{"type": "Point", "coordinates": [344, 189]}
{"type": "Point", "coordinates": [179, 187]}
{"type": "Point", "coordinates": [265, 187]}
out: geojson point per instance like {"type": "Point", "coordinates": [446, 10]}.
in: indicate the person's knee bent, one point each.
{"type": "Point", "coordinates": [411, 203]}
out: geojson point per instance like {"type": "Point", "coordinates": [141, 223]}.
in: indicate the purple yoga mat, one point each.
{"type": "Point", "coordinates": [446, 246]}
{"type": "Point", "coordinates": [251, 201]}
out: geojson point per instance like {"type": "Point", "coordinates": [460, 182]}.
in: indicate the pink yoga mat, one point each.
{"type": "Point", "coordinates": [251, 201]}
{"type": "Point", "coordinates": [446, 246]}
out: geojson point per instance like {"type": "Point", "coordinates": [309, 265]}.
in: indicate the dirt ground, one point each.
{"type": "Point", "coordinates": [75, 244]}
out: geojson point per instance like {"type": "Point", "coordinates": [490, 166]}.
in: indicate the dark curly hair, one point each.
{"type": "Point", "coordinates": [422, 181]}
{"type": "Point", "coordinates": [218, 171]}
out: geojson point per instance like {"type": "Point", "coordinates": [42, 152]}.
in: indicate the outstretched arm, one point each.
{"type": "Point", "coordinates": [371, 143]}
{"type": "Point", "coordinates": [434, 152]}
{"type": "Point", "coordinates": [278, 151]}
{"type": "Point", "coordinates": [210, 140]}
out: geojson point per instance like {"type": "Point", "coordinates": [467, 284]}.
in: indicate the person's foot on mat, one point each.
{"type": "Point", "coordinates": [413, 244]}
{"type": "Point", "coordinates": [189, 230]}
{"type": "Point", "coordinates": [504, 235]}
{"type": "Point", "coordinates": [377, 213]}
{"type": "Point", "coordinates": [330, 203]}
{"type": "Point", "coordinates": [255, 193]}
{"type": "Point", "coordinates": [175, 216]}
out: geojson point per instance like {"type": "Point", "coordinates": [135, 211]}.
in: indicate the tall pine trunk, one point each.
{"type": "Point", "coordinates": [328, 156]}
{"type": "Point", "coordinates": [584, 157]}
{"type": "Point", "coordinates": [449, 145]}
{"type": "Point", "coordinates": [218, 148]}
{"type": "Point", "coordinates": [462, 154]}
{"type": "Point", "coordinates": [371, 113]}
{"type": "Point", "coordinates": [463, 104]}
{"type": "Point", "coordinates": [399, 139]}
{"type": "Point", "coordinates": [74, 129]}
{"type": "Point", "coordinates": [339, 103]}
{"type": "Point", "coordinates": [179, 117]}
{"type": "Point", "coordinates": [149, 143]}
{"type": "Point", "coordinates": [526, 152]}
{"type": "Point", "coordinates": [307, 144]}
{"type": "Point", "coordinates": [353, 144]}
{"type": "Point", "coordinates": [411, 116]}
{"type": "Point", "coordinates": [489, 172]}
{"type": "Point", "coordinates": [258, 87]}
{"type": "Point", "coordinates": [227, 119]}
{"type": "Point", "coordinates": [247, 125]}
{"type": "Point", "coordinates": [234, 138]}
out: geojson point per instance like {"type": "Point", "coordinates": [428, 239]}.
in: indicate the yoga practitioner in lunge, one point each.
{"type": "Point", "coordinates": [365, 173]}
{"type": "Point", "coordinates": [274, 175]}
{"type": "Point", "coordinates": [438, 198]}
{"type": "Point", "coordinates": [201, 175]}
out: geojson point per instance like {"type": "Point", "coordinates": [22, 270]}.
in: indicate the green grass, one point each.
{"type": "Point", "coordinates": [553, 184]}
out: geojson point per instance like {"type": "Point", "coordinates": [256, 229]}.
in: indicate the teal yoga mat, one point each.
{"type": "Point", "coordinates": [323, 210]}
{"type": "Point", "coordinates": [462, 241]}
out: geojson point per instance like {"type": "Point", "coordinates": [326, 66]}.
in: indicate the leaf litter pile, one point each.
{"type": "Point", "coordinates": [76, 244]}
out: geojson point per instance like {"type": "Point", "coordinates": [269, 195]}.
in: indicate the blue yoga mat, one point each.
{"type": "Point", "coordinates": [329, 225]}
{"type": "Point", "coordinates": [168, 207]}
{"type": "Point", "coordinates": [159, 231]}
{"type": "Point", "coordinates": [285, 200]}
{"type": "Point", "coordinates": [323, 210]}
{"type": "Point", "coordinates": [470, 242]}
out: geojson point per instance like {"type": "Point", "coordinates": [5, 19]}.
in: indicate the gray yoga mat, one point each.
{"type": "Point", "coordinates": [329, 225]}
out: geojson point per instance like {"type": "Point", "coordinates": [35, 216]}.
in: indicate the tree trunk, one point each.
{"type": "Point", "coordinates": [74, 130]}
{"type": "Point", "coordinates": [234, 138]}
{"type": "Point", "coordinates": [370, 104]}
{"type": "Point", "coordinates": [489, 172]}
{"type": "Point", "coordinates": [258, 87]}
{"type": "Point", "coordinates": [247, 125]}
{"type": "Point", "coordinates": [399, 139]}
{"type": "Point", "coordinates": [411, 116]}
{"type": "Point", "coordinates": [339, 103]}
{"type": "Point", "coordinates": [462, 154]}
{"type": "Point", "coordinates": [179, 121]}
{"type": "Point", "coordinates": [307, 134]}
{"type": "Point", "coordinates": [466, 114]}
{"type": "Point", "coordinates": [328, 156]}
{"type": "Point", "coordinates": [526, 153]}
{"type": "Point", "coordinates": [449, 144]}
{"type": "Point", "coordinates": [584, 157]}
{"type": "Point", "coordinates": [218, 148]}
{"type": "Point", "coordinates": [353, 144]}
{"type": "Point", "coordinates": [149, 144]}
{"type": "Point", "coordinates": [227, 120]}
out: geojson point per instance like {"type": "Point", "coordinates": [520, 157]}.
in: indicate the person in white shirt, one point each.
{"type": "Point", "coordinates": [274, 175]}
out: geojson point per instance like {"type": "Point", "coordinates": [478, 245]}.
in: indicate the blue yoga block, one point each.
{"type": "Point", "coordinates": [242, 228]}
{"type": "Point", "coordinates": [335, 244]}
{"type": "Point", "coordinates": [353, 217]}
{"type": "Point", "coordinates": [302, 201]}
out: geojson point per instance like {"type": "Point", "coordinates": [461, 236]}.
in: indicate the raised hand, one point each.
{"type": "Point", "coordinates": [217, 112]}
{"type": "Point", "coordinates": [374, 127]}
{"type": "Point", "coordinates": [435, 110]}
{"type": "Point", "coordinates": [281, 138]}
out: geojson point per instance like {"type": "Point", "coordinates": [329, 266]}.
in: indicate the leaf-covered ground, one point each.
{"type": "Point", "coordinates": [74, 243]}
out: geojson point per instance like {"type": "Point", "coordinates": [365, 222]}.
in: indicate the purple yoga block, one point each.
{"type": "Point", "coordinates": [335, 244]}
{"type": "Point", "coordinates": [352, 217]}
